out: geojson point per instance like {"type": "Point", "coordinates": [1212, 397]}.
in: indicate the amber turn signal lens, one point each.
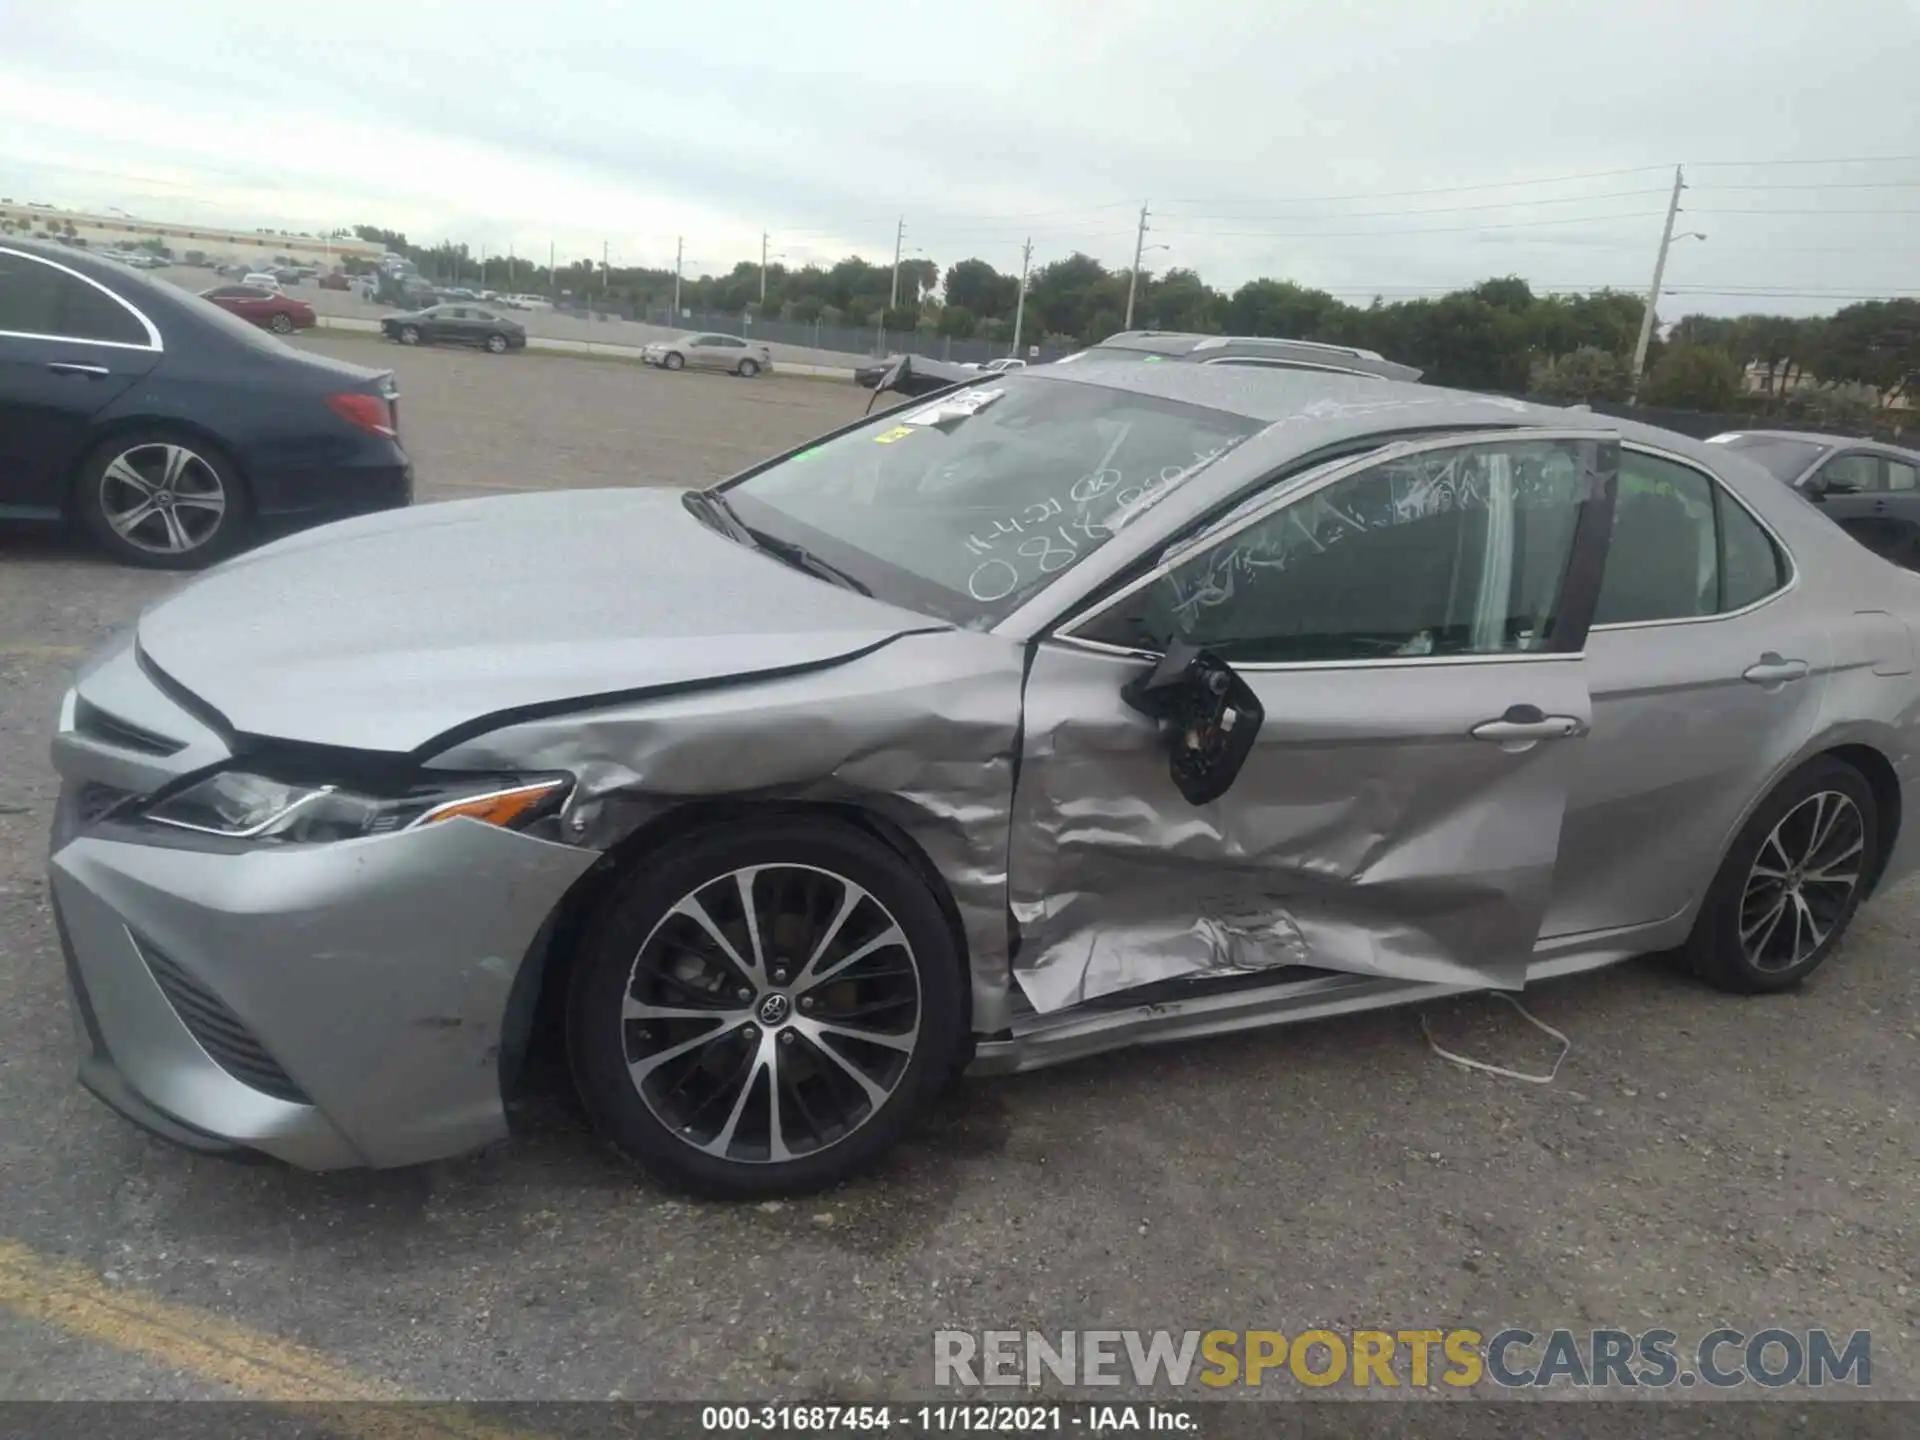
{"type": "Point", "coordinates": [501, 807]}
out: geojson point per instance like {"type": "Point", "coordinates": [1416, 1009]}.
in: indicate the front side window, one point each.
{"type": "Point", "coordinates": [40, 299]}
{"type": "Point", "coordinates": [1854, 474]}
{"type": "Point", "coordinates": [1457, 551]}
{"type": "Point", "coordinates": [967, 505]}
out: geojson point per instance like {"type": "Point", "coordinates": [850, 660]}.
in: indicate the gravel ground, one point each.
{"type": "Point", "coordinates": [1700, 1159]}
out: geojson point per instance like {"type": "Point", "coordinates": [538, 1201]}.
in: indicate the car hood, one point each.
{"type": "Point", "coordinates": [387, 632]}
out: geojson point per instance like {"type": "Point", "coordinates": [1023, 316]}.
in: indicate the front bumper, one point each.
{"type": "Point", "coordinates": [330, 1005]}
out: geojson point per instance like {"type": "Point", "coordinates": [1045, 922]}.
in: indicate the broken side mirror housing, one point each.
{"type": "Point", "coordinates": [1208, 714]}
{"type": "Point", "coordinates": [898, 371]}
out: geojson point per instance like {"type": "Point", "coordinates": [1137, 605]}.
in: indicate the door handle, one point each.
{"type": "Point", "coordinates": [1523, 725]}
{"type": "Point", "coordinates": [1772, 670]}
{"type": "Point", "coordinates": [73, 367]}
{"type": "Point", "coordinates": [1879, 507]}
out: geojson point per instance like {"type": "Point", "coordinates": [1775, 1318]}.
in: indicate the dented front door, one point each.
{"type": "Point", "coordinates": [1413, 626]}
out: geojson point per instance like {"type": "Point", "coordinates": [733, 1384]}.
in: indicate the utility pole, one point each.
{"type": "Point", "coordinates": [553, 275]}
{"type": "Point", "coordinates": [1020, 305]}
{"type": "Point", "coordinates": [899, 238]}
{"type": "Point", "coordinates": [1133, 279]}
{"type": "Point", "coordinates": [606, 271]}
{"type": "Point", "coordinates": [1653, 293]}
{"type": "Point", "coordinates": [679, 253]}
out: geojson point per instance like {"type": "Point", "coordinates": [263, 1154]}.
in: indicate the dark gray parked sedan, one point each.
{"type": "Point", "coordinates": [1871, 490]}
{"type": "Point", "coordinates": [1070, 709]}
{"type": "Point", "coordinates": [472, 324]}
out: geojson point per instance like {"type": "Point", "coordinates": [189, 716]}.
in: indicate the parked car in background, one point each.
{"type": "Point", "coordinates": [1157, 346]}
{"type": "Point", "coordinates": [336, 281]}
{"type": "Point", "coordinates": [456, 325]}
{"type": "Point", "coordinates": [994, 367]}
{"type": "Point", "coordinates": [168, 426]}
{"type": "Point", "coordinates": [280, 313]}
{"type": "Point", "coordinates": [1871, 490]}
{"type": "Point", "coordinates": [1102, 705]}
{"type": "Point", "coordinates": [288, 277]}
{"type": "Point", "coordinates": [264, 279]}
{"type": "Point", "coordinates": [709, 352]}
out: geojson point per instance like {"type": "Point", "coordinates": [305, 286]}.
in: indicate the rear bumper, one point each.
{"type": "Point", "coordinates": [378, 477]}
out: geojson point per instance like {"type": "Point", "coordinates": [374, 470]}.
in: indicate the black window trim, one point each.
{"type": "Point", "coordinates": [153, 345]}
{"type": "Point", "coordinates": [1316, 478]}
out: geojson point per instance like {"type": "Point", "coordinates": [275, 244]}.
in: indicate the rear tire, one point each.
{"type": "Point", "coordinates": [161, 499]}
{"type": "Point", "coordinates": [777, 1092]}
{"type": "Point", "coordinates": [1791, 883]}
{"type": "Point", "coordinates": [496, 344]}
{"type": "Point", "coordinates": [672, 360]}
{"type": "Point", "coordinates": [748, 369]}
{"type": "Point", "coordinates": [281, 324]}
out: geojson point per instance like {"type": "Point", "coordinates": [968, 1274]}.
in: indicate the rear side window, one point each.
{"type": "Point", "coordinates": [38, 299]}
{"type": "Point", "coordinates": [1683, 548]}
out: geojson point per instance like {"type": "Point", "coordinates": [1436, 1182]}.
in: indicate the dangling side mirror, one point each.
{"type": "Point", "coordinates": [1208, 714]}
{"type": "Point", "coordinates": [899, 370]}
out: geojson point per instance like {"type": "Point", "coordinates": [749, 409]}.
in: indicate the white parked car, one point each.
{"type": "Point", "coordinates": [995, 367]}
{"type": "Point", "coordinates": [263, 279]}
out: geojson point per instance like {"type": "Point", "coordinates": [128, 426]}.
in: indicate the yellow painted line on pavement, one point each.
{"type": "Point", "coordinates": [74, 1300]}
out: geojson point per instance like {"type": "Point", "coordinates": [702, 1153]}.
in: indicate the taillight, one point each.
{"type": "Point", "coordinates": [371, 413]}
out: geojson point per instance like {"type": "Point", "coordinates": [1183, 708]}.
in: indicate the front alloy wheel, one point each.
{"type": "Point", "coordinates": [776, 1020]}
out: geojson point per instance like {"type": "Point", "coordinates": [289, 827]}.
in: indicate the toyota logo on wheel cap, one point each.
{"type": "Point", "coordinates": [775, 1009]}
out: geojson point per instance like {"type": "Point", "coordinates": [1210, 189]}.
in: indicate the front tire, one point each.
{"type": "Point", "coordinates": [673, 360]}
{"type": "Point", "coordinates": [409, 334]}
{"type": "Point", "coordinates": [764, 1008]}
{"type": "Point", "coordinates": [161, 500]}
{"type": "Point", "coordinates": [1791, 883]}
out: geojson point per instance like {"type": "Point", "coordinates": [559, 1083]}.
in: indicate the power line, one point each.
{"type": "Point", "coordinates": [1429, 230]}
{"type": "Point", "coordinates": [1438, 209]}
{"type": "Point", "coordinates": [1450, 189]}
{"type": "Point", "coordinates": [1770, 164]}
{"type": "Point", "coordinates": [1822, 210]}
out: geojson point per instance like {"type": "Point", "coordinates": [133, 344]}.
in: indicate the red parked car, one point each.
{"type": "Point", "coordinates": [279, 313]}
{"type": "Point", "coordinates": [335, 281]}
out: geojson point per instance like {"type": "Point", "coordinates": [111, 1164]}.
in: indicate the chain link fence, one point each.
{"type": "Point", "coordinates": [845, 339]}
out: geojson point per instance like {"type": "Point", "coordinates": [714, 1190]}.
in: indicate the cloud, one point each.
{"type": "Point", "coordinates": [579, 123]}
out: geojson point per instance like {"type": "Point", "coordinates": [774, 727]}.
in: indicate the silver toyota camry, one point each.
{"type": "Point", "coordinates": [1064, 710]}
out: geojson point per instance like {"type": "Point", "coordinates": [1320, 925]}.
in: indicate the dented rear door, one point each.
{"type": "Point", "coordinates": [1413, 625]}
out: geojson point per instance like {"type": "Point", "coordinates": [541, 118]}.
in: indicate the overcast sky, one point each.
{"type": "Point", "coordinates": [1268, 136]}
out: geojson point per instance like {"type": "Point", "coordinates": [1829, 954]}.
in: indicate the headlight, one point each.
{"type": "Point", "coordinates": [240, 805]}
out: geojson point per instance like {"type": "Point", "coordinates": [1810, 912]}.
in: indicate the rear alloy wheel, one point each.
{"type": "Point", "coordinates": [765, 1009]}
{"type": "Point", "coordinates": [409, 334]}
{"type": "Point", "coordinates": [497, 344]}
{"type": "Point", "coordinates": [673, 360]}
{"type": "Point", "coordinates": [281, 324]}
{"type": "Point", "coordinates": [1791, 883]}
{"type": "Point", "coordinates": [163, 501]}
{"type": "Point", "coordinates": [749, 368]}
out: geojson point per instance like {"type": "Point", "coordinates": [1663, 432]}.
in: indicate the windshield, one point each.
{"type": "Point", "coordinates": [1787, 459]}
{"type": "Point", "coordinates": [966, 505]}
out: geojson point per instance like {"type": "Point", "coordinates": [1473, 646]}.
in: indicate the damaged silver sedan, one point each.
{"type": "Point", "coordinates": [1064, 710]}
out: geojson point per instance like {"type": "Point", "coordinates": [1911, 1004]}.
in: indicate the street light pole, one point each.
{"type": "Point", "coordinates": [1020, 305]}
{"type": "Point", "coordinates": [1133, 279]}
{"type": "Point", "coordinates": [1653, 291]}
{"type": "Point", "coordinates": [763, 269]}
{"type": "Point", "coordinates": [679, 253]}
{"type": "Point", "coordinates": [899, 238]}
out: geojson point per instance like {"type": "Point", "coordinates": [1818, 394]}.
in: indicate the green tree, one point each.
{"type": "Point", "coordinates": [957, 321]}
{"type": "Point", "coordinates": [1693, 377]}
{"type": "Point", "coordinates": [1876, 343]}
{"type": "Point", "coordinates": [1583, 375]}
{"type": "Point", "coordinates": [977, 287]}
